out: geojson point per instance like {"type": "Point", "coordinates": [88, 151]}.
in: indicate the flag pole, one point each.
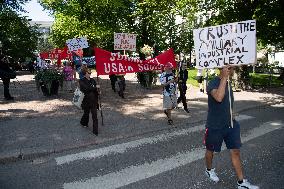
{"type": "Point", "coordinates": [99, 99]}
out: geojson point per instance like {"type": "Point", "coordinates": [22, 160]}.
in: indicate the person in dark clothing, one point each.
{"type": "Point", "coordinates": [121, 85]}
{"type": "Point", "coordinates": [31, 67]}
{"type": "Point", "coordinates": [6, 74]}
{"type": "Point", "coordinates": [183, 76]}
{"type": "Point", "coordinates": [90, 102]}
{"type": "Point", "coordinates": [113, 79]}
{"type": "Point", "coordinates": [222, 126]}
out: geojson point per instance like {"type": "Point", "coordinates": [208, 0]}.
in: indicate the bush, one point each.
{"type": "Point", "coordinates": [48, 76]}
{"type": "Point", "coordinates": [147, 79]}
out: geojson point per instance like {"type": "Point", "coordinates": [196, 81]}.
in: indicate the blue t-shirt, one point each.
{"type": "Point", "coordinates": [218, 112]}
{"type": "Point", "coordinates": [79, 71]}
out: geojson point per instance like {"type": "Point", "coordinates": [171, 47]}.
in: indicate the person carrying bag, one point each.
{"type": "Point", "coordinates": [90, 101]}
{"type": "Point", "coordinates": [78, 98]}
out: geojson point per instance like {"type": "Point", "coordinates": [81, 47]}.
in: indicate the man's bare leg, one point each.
{"type": "Point", "coordinates": [208, 159]}
{"type": "Point", "coordinates": [236, 161]}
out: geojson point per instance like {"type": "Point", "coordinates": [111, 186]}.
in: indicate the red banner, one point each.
{"type": "Point", "coordinates": [43, 55]}
{"type": "Point", "coordinates": [108, 63]}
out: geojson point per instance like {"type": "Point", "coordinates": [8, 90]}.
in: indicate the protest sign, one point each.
{"type": "Point", "coordinates": [108, 63]}
{"type": "Point", "coordinates": [233, 44]}
{"type": "Point", "coordinates": [125, 41]}
{"type": "Point", "coordinates": [52, 54]}
{"type": "Point", "coordinates": [89, 60]}
{"type": "Point", "coordinates": [77, 43]}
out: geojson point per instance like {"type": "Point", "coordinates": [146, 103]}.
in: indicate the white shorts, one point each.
{"type": "Point", "coordinates": [169, 102]}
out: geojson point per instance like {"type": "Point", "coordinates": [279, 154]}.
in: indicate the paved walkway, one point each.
{"type": "Point", "coordinates": [34, 125]}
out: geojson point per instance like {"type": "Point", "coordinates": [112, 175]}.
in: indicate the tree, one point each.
{"type": "Point", "coordinates": [97, 20]}
{"type": "Point", "coordinates": [154, 22]}
{"type": "Point", "coordinates": [19, 39]}
{"type": "Point", "coordinates": [13, 5]}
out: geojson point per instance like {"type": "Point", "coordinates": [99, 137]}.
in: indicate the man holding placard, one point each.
{"type": "Point", "coordinates": [223, 46]}
{"type": "Point", "coordinates": [221, 126]}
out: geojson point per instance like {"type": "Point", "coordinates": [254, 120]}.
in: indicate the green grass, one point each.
{"type": "Point", "coordinates": [257, 79]}
{"type": "Point", "coordinates": [263, 80]}
{"type": "Point", "coordinates": [192, 77]}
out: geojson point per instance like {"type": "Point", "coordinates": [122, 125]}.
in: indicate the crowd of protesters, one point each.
{"type": "Point", "coordinates": [220, 126]}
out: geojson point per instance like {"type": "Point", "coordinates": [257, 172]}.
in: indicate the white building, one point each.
{"type": "Point", "coordinates": [44, 29]}
{"type": "Point", "coordinates": [277, 56]}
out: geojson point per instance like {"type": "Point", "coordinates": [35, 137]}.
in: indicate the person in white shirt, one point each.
{"type": "Point", "coordinates": [168, 81]}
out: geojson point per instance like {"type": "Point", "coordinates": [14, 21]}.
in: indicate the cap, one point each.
{"type": "Point", "coordinates": [169, 65]}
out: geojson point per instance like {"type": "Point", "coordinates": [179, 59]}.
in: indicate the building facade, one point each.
{"type": "Point", "coordinates": [45, 30]}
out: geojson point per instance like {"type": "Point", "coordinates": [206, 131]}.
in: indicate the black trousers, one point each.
{"type": "Point", "coordinates": [113, 79]}
{"type": "Point", "coordinates": [121, 84]}
{"type": "Point", "coordinates": [182, 97]}
{"type": "Point", "coordinates": [6, 82]}
{"type": "Point", "coordinates": [85, 118]}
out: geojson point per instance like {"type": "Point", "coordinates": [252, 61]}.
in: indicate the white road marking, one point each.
{"type": "Point", "coordinates": [121, 148]}
{"type": "Point", "coordinates": [136, 173]}
{"type": "Point", "coordinates": [242, 117]}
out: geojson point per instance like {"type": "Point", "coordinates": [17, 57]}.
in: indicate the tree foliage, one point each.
{"type": "Point", "coordinates": [18, 38]}
{"type": "Point", "coordinates": [154, 22]}
{"type": "Point", "coordinates": [98, 20]}
{"type": "Point", "coordinates": [12, 5]}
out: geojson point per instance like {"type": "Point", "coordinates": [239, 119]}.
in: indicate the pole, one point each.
{"type": "Point", "coordinates": [205, 81]}
{"type": "Point", "coordinates": [177, 76]}
{"type": "Point", "coordinates": [230, 102]}
{"type": "Point", "coordinates": [100, 102]}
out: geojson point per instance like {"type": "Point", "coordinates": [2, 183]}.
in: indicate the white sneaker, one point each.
{"type": "Point", "coordinates": [247, 185]}
{"type": "Point", "coordinates": [212, 175]}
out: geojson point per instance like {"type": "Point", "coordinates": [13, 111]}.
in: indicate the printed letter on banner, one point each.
{"type": "Point", "coordinates": [108, 63]}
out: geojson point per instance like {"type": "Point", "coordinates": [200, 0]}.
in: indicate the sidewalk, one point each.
{"type": "Point", "coordinates": [34, 125]}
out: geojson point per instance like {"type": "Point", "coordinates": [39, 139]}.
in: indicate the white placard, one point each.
{"type": "Point", "coordinates": [233, 43]}
{"type": "Point", "coordinates": [125, 41]}
{"type": "Point", "coordinates": [77, 43]}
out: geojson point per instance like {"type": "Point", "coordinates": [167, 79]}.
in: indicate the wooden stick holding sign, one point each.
{"type": "Point", "coordinates": [230, 103]}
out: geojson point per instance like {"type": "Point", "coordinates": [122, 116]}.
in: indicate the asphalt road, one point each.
{"type": "Point", "coordinates": [171, 159]}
